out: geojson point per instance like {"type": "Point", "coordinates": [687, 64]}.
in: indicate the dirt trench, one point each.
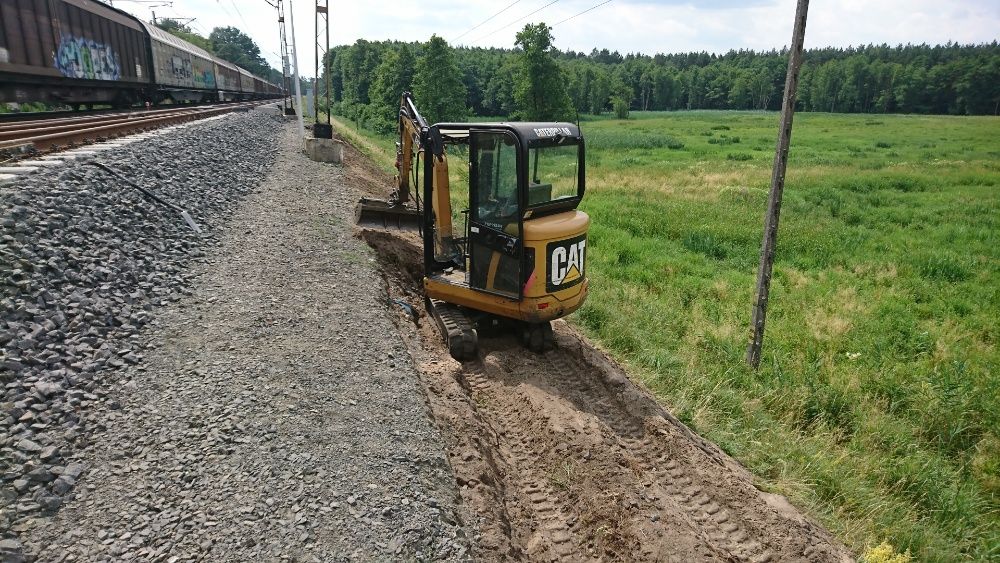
{"type": "Point", "coordinates": [561, 457]}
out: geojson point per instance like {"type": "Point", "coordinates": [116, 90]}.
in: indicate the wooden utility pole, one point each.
{"type": "Point", "coordinates": [777, 186]}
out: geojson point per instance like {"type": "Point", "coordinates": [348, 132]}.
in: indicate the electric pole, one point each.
{"type": "Point", "coordinates": [777, 187]}
{"type": "Point", "coordinates": [285, 69]}
{"type": "Point", "coordinates": [322, 130]}
{"type": "Point", "coordinates": [295, 61]}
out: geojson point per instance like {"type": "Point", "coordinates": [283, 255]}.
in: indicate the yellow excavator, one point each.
{"type": "Point", "coordinates": [520, 258]}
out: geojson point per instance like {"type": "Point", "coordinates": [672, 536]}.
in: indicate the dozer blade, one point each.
{"type": "Point", "coordinates": [380, 214]}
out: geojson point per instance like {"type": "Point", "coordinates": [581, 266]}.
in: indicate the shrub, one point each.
{"type": "Point", "coordinates": [942, 267]}
{"type": "Point", "coordinates": [724, 140]}
{"type": "Point", "coordinates": [705, 243]}
{"type": "Point", "coordinates": [629, 141]}
{"type": "Point", "coordinates": [884, 553]}
{"type": "Point", "coordinates": [621, 108]}
{"type": "Point", "coordinates": [875, 182]}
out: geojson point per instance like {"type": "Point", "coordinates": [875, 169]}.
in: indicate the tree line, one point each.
{"type": "Point", "coordinates": [367, 78]}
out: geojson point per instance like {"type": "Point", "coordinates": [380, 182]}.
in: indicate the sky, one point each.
{"type": "Point", "coordinates": [646, 26]}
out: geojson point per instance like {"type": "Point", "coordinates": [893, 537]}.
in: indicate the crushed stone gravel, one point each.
{"type": "Point", "coordinates": [267, 412]}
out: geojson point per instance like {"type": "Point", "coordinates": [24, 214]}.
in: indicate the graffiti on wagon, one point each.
{"type": "Point", "coordinates": [78, 57]}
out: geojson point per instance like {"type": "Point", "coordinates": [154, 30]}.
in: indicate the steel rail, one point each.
{"type": "Point", "coordinates": [41, 128]}
{"type": "Point", "coordinates": [79, 119]}
{"type": "Point", "coordinates": [54, 140]}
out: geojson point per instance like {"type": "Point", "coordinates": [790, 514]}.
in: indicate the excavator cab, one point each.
{"type": "Point", "coordinates": [515, 253]}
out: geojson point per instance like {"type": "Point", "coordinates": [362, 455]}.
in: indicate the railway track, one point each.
{"type": "Point", "coordinates": [561, 457]}
{"type": "Point", "coordinates": [32, 137]}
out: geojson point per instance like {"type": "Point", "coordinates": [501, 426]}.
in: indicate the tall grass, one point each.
{"type": "Point", "coordinates": [878, 404]}
{"type": "Point", "coordinates": [877, 407]}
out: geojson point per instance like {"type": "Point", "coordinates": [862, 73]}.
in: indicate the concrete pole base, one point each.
{"type": "Point", "coordinates": [325, 150]}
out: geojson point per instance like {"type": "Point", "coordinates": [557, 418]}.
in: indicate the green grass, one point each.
{"type": "Point", "coordinates": [877, 405]}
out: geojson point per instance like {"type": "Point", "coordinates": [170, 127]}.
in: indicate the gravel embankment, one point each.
{"type": "Point", "coordinates": [269, 415]}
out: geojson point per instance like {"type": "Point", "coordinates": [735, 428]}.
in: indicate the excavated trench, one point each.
{"type": "Point", "coordinates": [561, 457]}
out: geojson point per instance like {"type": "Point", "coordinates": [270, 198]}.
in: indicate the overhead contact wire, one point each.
{"type": "Point", "coordinates": [515, 21]}
{"type": "Point", "coordinates": [240, 14]}
{"type": "Point", "coordinates": [226, 10]}
{"type": "Point", "coordinates": [585, 11]}
{"type": "Point", "coordinates": [480, 24]}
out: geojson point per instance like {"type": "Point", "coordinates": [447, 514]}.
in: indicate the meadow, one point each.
{"type": "Point", "coordinates": [877, 404]}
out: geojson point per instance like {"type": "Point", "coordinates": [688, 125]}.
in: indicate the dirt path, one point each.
{"type": "Point", "coordinates": [562, 457]}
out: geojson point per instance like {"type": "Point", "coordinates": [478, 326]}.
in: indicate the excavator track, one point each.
{"type": "Point", "coordinates": [456, 328]}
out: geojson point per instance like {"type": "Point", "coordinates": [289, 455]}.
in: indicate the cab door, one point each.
{"type": "Point", "coordinates": [494, 237]}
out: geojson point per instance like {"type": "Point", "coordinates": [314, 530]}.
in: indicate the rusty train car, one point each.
{"type": "Point", "coordinates": [85, 52]}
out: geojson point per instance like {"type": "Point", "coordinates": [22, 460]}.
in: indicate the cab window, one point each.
{"type": "Point", "coordinates": [496, 182]}
{"type": "Point", "coordinates": [553, 173]}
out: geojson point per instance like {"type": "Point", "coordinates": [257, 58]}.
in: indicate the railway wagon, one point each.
{"type": "Point", "coordinates": [80, 52]}
{"type": "Point", "coordinates": [259, 88]}
{"type": "Point", "coordinates": [182, 72]}
{"type": "Point", "coordinates": [227, 79]}
{"type": "Point", "coordinates": [72, 52]}
{"type": "Point", "coordinates": [246, 84]}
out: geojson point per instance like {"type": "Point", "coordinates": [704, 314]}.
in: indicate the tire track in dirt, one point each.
{"type": "Point", "coordinates": [561, 457]}
{"type": "Point", "coordinates": [677, 487]}
{"type": "Point", "coordinates": [551, 536]}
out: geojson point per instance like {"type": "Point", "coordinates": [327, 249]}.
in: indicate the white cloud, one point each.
{"type": "Point", "coordinates": [624, 25]}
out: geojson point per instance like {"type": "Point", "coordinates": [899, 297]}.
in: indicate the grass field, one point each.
{"type": "Point", "coordinates": [877, 406]}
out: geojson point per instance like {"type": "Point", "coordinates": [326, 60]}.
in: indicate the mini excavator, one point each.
{"type": "Point", "coordinates": [520, 257]}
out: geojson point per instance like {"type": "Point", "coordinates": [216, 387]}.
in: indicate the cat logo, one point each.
{"type": "Point", "coordinates": [566, 263]}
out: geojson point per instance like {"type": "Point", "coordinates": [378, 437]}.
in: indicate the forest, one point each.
{"type": "Point", "coordinates": [367, 77]}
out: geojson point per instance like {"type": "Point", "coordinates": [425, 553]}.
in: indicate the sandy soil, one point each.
{"type": "Point", "coordinates": [562, 456]}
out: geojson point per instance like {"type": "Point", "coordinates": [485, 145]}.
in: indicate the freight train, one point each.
{"type": "Point", "coordinates": [78, 52]}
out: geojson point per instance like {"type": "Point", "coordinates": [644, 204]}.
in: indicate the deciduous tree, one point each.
{"type": "Point", "coordinates": [233, 45]}
{"type": "Point", "coordinates": [175, 27]}
{"type": "Point", "coordinates": [393, 76]}
{"type": "Point", "coordinates": [437, 83]}
{"type": "Point", "coordinates": [540, 87]}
